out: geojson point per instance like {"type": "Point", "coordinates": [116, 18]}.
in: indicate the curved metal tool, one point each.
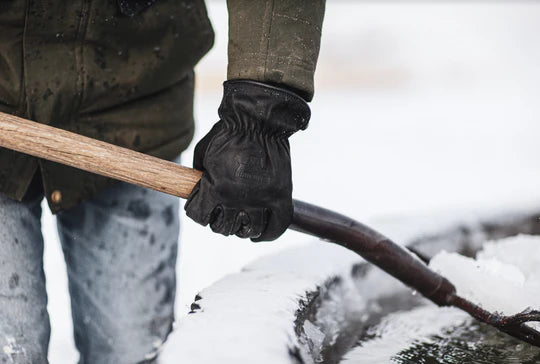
{"type": "Point", "coordinates": [405, 266]}
{"type": "Point", "coordinates": [513, 325]}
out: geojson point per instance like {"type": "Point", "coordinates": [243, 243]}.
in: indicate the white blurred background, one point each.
{"type": "Point", "coordinates": [419, 106]}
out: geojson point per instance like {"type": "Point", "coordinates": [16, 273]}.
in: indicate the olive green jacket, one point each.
{"type": "Point", "coordinates": [83, 66]}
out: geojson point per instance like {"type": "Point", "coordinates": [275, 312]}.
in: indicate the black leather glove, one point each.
{"type": "Point", "coordinates": [246, 187]}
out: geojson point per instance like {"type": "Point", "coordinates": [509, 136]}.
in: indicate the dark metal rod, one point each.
{"type": "Point", "coordinates": [394, 259]}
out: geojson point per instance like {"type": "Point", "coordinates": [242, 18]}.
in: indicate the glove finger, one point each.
{"type": "Point", "coordinates": [222, 220]}
{"type": "Point", "coordinates": [242, 225]}
{"type": "Point", "coordinates": [275, 225]}
{"type": "Point", "coordinates": [253, 225]}
{"type": "Point", "coordinates": [196, 208]}
{"type": "Point", "coordinates": [261, 218]}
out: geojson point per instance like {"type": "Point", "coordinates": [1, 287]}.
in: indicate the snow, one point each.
{"type": "Point", "coordinates": [399, 330]}
{"type": "Point", "coordinates": [518, 252]}
{"type": "Point", "coordinates": [248, 317]}
{"type": "Point", "coordinates": [250, 314]}
{"type": "Point", "coordinates": [434, 107]}
{"type": "Point", "coordinates": [503, 278]}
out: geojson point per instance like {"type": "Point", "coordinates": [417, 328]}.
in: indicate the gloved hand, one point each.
{"type": "Point", "coordinates": [246, 187]}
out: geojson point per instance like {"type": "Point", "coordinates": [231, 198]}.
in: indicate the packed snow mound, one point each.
{"type": "Point", "coordinates": [248, 317]}
{"type": "Point", "coordinates": [504, 277]}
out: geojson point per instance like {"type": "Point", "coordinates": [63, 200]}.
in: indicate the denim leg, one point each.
{"type": "Point", "coordinates": [120, 249]}
{"type": "Point", "coordinates": [24, 322]}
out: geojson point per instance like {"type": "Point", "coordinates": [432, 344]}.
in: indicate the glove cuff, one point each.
{"type": "Point", "coordinates": [254, 106]}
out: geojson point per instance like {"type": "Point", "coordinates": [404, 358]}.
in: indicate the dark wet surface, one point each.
{"type": "Point", "coordinates": [471, 342]}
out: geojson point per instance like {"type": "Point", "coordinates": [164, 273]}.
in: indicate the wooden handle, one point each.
{"type": "Point", "coordinates": [94, 156]}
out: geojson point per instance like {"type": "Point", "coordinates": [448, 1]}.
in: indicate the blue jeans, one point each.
{"type": "Point", "coordinates": [120, 249]}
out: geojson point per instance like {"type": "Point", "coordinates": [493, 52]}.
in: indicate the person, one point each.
{"type": "Point", "coordinates": [122, 72]}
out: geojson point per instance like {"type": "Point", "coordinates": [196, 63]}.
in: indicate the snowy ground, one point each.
{"type": "Point", "coordinates": [418, 107]}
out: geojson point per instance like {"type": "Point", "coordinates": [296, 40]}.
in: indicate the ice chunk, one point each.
{"type": "Point", "coordinates": [503, 278]}
{"type": "Point", "coordinates": [316, 337]}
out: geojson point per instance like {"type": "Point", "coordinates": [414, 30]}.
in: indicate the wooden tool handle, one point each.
{"type": "Point", "coordinates": [94, 156]}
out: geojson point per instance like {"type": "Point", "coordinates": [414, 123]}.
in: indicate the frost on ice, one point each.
{"type": "Point", "coordinates": [504, 277]}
